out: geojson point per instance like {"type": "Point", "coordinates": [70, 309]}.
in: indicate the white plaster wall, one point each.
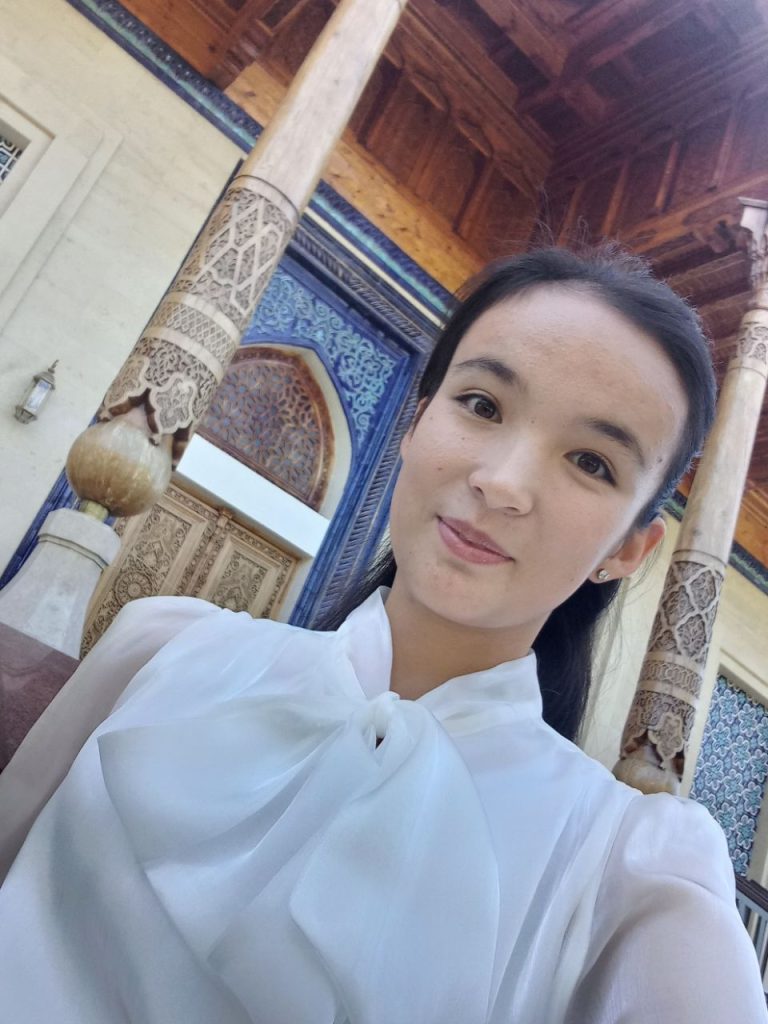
{"type": "Point", "coordinates": [95, 289]}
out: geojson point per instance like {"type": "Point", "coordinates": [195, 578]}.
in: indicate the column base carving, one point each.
{"type": "Point", "coordinates": [648, 778]}
{"type": "Point", "coordinates": [183, 353]}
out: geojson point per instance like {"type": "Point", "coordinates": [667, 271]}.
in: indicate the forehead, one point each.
{"type": "Point", "coordinates": [574, 352]}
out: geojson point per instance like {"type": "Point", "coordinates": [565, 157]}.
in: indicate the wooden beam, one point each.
{"type": "Point", "coordinates": [539, 42]}
{"type": "Point", "coordinates": [475, 200]}
{"type": "Point", "coordinates": [617, 198]}
{"type": "Point", "coordinates": [634, 28]}
{"type": "Point", "coordinates": [605, 17]}
{"type": "Point", "coordinates": [726, 145]}
{"type": "Point", "coordinates": [474, 87]}
{"type": "Point", "coordinates": [667, 178]}
{"type": "Point", "coordinates": [410, 222]}
{"type": "Point", "coordinates": [247, 18]}
{"type": "Point", "coordinates": [591, 106]}
{"type": "Point", "coordinates": [571, 214]}
{"type": "Point", "coordinates": [708, 90]}
{"type": "Point", "coordinates": [290, 16]}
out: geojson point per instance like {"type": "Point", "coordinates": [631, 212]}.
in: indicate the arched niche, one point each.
{"type": "Point", "coordinates": [277, 411]}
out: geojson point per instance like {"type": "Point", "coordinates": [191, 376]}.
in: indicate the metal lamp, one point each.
{"type": "Point", "coordinates": [36, 394]}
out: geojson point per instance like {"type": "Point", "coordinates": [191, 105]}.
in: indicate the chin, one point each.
{"type": "Point", "coordinates": [462, 602]}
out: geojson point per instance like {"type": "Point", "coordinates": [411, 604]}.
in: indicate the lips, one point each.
{"type": "Point", "coordinates": [473, 539]}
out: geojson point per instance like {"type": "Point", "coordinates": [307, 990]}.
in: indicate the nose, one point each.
{"type": "Point", "coordinates": [506, 477]}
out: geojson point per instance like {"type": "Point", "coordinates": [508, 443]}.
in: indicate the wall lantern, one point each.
{"type": "Point", "coordinates": [36, 394]}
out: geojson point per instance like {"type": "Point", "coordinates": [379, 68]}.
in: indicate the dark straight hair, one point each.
{"type": "Point", "coordinates": [624, 282]}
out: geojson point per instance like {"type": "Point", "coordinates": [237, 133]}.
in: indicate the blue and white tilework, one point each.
{"type": "Point", "coordinates": [732, 767]}
{"type": "Point", "coordinates": [361, 365]}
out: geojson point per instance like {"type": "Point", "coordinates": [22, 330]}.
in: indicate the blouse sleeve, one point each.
{"type": "Point", "coordinates": [667, 941]}
{"type": "Point", "coordinates": [44, 757]}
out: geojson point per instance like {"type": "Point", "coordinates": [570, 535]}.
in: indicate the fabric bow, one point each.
{"type": "Point", "coordinates": [320, 876]}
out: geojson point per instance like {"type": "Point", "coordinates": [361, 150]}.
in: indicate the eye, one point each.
{"type": "Point", "coordinates": [480, 405]}
{"type": "Point", "coordinates": [593, 465]}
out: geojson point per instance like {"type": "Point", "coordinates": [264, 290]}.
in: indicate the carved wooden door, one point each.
{"type": "Point", "coordinates": [185, 546]}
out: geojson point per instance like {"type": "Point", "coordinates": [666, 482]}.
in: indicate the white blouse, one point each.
{"type": "Point", "coordinates": [232, 845]}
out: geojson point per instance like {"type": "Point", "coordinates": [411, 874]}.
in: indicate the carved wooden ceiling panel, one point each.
{"type": "Point", "coordinates": [642, 119]}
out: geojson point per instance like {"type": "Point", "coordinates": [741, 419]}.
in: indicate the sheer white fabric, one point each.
{"type": "Point", "coordinates": [232, 845]}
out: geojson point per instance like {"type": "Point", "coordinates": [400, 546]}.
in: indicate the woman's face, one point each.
{"type": "Point", "coordinates": [525, 473]}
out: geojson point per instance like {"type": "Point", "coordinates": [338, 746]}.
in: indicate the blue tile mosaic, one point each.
{"type": "Point", "coordinates": [732, 768]}
{"type": "Point", "coordinates": [290, 311]}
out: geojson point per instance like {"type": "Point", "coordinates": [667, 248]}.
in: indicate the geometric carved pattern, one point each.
{"type": "Point", "coordinates": [239, 583]}
{"type": "Point", "coordinates": [687, 611]}
{"type": "Point", "coordinates": [669, 675]}
{"type": "Point", "coordinates": [753, 342]}
{"type": "Point", "coordinates": [664, 705]}
{"type": "Point", "coordinates": [664, 720]}
{"type": "Point", "coordinates": [232, 260]}
{"type": "Point", "coordinates": [183, 353]}
{"type": "Point", "coordinates": [185, 546]}
{"type": "Point", "coordinates": [732, 767]}
{"type": "Point", "coordinates": [193, 323]}
{"type": "Point", "coordinates": [361, 365]}
{"type": "Point", "coordinates": [143, 567]}
{"type": "Point", "coordinates": [270, 414]}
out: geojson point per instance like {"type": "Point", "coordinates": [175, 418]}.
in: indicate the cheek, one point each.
{"type": "Point", "coordinates": [432, 452]}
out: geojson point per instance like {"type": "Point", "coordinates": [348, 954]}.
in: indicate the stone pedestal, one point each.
{"type": "Point", "coordinates": [49, 597]}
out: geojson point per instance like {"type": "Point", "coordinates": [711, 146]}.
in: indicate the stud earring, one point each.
{"type": "Point", "coordinates": [603, 575]}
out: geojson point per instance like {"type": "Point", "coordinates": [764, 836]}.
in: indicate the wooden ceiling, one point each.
{"type": "Point", "coordinates": [639, 119]}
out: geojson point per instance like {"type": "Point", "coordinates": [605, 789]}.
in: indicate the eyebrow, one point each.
{"type": "Point", "coordinates": [619, 434]}
{"type": "Point", "coordinates": [499, 369]}
{"type": "Point", "coordinates": [613, 431]}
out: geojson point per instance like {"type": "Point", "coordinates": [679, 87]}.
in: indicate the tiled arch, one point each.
{"type": "Point", "coordinates": [270, 414]}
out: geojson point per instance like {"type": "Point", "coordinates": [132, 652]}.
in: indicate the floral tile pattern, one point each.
{"type": "Point", "coordinates": [733, 766]}
{"type": "Point", "coordinates": [362, 365]}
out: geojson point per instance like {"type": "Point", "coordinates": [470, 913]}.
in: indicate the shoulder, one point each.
{"type": "Point", "coordinates": [596, 784]}
{"type": "Point", "coordinates": [159, 615]}
{"type": "Point", "coordinates": [649, 837]}
{"type": "Point", "coordinates": [196, 653]}
{"type": "Point", "coordinates": [666, 911]}
{"type": "Point", "coordinates": [152, 622]}
{"type": "Point", "coordinates": [665, 837]}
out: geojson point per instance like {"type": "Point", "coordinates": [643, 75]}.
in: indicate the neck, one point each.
{"type": "Point", "coordinates": [427, 650]}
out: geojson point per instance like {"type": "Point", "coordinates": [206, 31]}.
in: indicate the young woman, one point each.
{"type": "Point", "coordinates": [388, 823]}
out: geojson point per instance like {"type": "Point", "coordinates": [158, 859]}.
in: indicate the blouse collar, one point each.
{"type": "Point", "coordinates": [366, 638]}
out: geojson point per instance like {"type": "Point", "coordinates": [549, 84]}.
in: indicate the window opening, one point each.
{"type": "Point", "coordinates": [9, 154]}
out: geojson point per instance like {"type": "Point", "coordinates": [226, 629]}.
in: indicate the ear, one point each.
{"type": "Point", "coordinates": [635, 549]}
{"type": "Point", "coordinates": [408, 435]}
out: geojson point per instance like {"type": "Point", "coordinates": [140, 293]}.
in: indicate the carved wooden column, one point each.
{"type": "Point", "coordinates": [180, 359]}
{"type": "Point", "coordinates": [658, 727]}
{"type": "Point", "coordinates": [122, 464]}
